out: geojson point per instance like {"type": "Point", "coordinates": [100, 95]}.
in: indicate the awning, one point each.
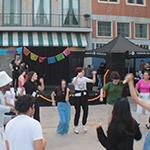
{"type": "Point", "coordinates": [43, 39]}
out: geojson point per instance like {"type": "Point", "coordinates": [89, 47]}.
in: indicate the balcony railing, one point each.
{"type": "Point", "coordinates": [45, 20]}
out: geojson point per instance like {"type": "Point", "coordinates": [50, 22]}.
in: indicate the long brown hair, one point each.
{"type": "Point", "coordinates": [122, 118]}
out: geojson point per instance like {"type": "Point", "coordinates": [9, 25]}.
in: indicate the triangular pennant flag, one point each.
{"type": "Point", "coordinates": [26, 52]}
{"type": "Point", "coordinates": [51, 60]}
{"type": "Point", "coordinates": [33, 57]}
{"type": "Point", "coordinates": [60, 57]}
{"type": "Point", "coordinates": [19, 50]}
{"type": "Point", "coordinates": [41, 59]}
{"type": "Point", "coordinates": [66, 52]}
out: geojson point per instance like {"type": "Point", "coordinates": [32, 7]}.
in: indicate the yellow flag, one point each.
{"type": "Point", "coordinates": [33, 57]}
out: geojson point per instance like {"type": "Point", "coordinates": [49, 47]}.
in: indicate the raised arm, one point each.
{"type": "Point", "coordinates": [53, 94]}
{"type": "Point", "coordinates": [42, 85]}
{"type": "Point", "coordinates": [134, 95]}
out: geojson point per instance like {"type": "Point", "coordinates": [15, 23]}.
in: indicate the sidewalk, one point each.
{"type": "Point", "coordinates": [88, 141]}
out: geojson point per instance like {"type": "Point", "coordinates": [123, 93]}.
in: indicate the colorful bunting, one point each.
{"type": "Point", "coordinates": [19, 50]}
{"type": "Point", "coordinates": [66, 52]}
{"type": "Point", "coordinates": [51, 60]}
{"type": "Point", "coordinates": [60, 57]}
{"type": "Point", "coordinates": [33, 56]}
{"type": "Point", "coordinates": [41, 59]}
{"type": "Point", "coordinates": [26, 51]}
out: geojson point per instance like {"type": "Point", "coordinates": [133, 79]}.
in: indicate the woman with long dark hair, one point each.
{"type": "Point", "coordinates": [15, 66]}
{"type": "Point", "coordinates": [32, 86]}
{"type": "Point", "coordinates": [61, 94]}
{"type": "Point", "coordinates": [122, 130]}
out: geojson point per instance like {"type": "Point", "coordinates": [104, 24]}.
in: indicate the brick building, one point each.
{"type": "Point", "coordinates": [130, 18]}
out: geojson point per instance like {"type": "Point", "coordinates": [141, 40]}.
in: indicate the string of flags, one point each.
{"type": "Point", "coordinates": [50, 60]}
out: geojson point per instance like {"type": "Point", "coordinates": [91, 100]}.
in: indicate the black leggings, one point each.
{"type": "Point", "coordinates": [15, 77]}
{"type": "Point", "coordinates": [37, 110]}
{"type": "Point", "coordinates": [81, 101]}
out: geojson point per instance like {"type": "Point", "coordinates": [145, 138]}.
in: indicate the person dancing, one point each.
{"type": "Point", "coordinates": [15, 66]}
{"type": "Point", "coordinates": [143, 87]}
{"type": "Point", "coordinates": [122, 129]}
{"type": "Point", "coordinates": [140, 101]}
{"type": "Point", "coordinates": [63, 106]}
{"type": "Point", "coordinates": [32, 86]}
{"type": "Point", "coordinates": [81, 97]}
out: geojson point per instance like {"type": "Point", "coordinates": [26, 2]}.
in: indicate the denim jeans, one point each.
{"type": "Point", "coordinates": [147, 142]}
{"type": "Point", "coordinates": [99, 81]}
{"type": "Point", "coordinates": [64, 111]}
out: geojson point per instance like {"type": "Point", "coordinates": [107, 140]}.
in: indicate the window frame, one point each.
{"type": "Point", "coordinates": [109, 2]}
{"type": "Point", "coordinates": [50, 17]}
{"type": "Point", "coordinates": [97, 29]}
{"type": "Point", "coordinates": [70, 4]}
{"type": "Point", "coordinates": [130, 29]}
{"type": "Point", "coordinates": [135, 4]}
{"type": "Point", "coordinates": [11, 13]}
{"type": "Point", "coordinates": [135, 31]}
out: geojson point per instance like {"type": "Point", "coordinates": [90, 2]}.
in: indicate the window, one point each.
{"type": "Point", "coordinates": [123, 29]}
{"type": "Point", "coordinates": [141, 30]}
{"type": "Point", "coordinates": [109, 1]}
{"type": "Point", "coordinates": [11, 12]}
{"type": "Point", "coordinates": [104, 28]}
{"type": "Point", "coordinates": [136, 2]}
{"type": "Point", "coordinates": [41, 12]}
{"type": "Point", "coordinates": [70, 12]}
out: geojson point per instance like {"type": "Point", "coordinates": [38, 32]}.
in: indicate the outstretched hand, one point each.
{"type": "Point", "coordinates": [129, 77]}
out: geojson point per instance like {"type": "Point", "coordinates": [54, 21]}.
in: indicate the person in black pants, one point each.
{"type": "Point", "coordinates": [32, 86]}
{"type": "Point", "coordinates": [15, 67]}
{"type": "Point", "coordinates": [122, 130]}
{"type": "Point", "coordinates": [81, 95]}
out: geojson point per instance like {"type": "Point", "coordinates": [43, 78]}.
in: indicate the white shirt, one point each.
{"type": "Point", "coordinates": [3, 109]}
{"type": "Point", "coordinates": [10, 96]}
{"type": "Point", "coordinates": [22, 131]}
{"type": "Point", "coordinates": [81, 83]}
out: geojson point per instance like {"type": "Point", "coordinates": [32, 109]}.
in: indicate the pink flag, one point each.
{"type": "Point", "coordinates": [66, 52]}
{"type": "Point", "coordinates": [42, 59]}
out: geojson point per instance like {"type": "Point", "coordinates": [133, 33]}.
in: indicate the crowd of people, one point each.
{"type": "Point", "coordinates": [19, 107]}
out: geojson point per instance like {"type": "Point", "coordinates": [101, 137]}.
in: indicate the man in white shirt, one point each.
{"type": "Point", "coordinates": [23, 132]}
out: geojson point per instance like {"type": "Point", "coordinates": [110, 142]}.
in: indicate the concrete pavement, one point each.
{"type": "Point", "coordinates": [88, 141]}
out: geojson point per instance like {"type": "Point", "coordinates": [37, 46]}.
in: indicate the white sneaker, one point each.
{"type": "Point", "coordinates": [76, 130]}
{"type": "Point", "coordinates": [85, 129]}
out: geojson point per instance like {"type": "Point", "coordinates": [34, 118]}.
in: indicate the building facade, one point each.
{"type": "Point", "coordinates": [130, 18]}
{"type": "Point", "coordinates": [46, 28]}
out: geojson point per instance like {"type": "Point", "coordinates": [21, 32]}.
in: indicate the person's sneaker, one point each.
{"type": "Point", "coordinates": [85, 129]}
{"type": "Point", "coordinates": [76, 130]}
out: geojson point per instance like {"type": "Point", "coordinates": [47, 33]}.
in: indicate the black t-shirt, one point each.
{"type": "Point", "coordinates": [30, 87]}
{"type": "Point", "coordinates": [15, 66]}
{"type": "Point", "coordinates": [60, 95]}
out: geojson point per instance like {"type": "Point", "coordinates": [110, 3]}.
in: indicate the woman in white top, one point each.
{"type": "Point", "coordinates": [80, 84]}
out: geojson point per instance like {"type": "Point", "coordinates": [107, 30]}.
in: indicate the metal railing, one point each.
{"type": "Point", "coordinates": [45, 20]}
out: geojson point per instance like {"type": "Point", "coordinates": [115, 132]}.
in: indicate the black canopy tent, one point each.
{"type": "Point", "coordinates": [116, 51]}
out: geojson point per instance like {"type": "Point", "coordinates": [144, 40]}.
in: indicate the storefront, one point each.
{"type": "Point", "coordinates": [47, 45]}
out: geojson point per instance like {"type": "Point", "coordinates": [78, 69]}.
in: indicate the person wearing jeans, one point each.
{"type": "Point", "coordinates": [81, 95]}
{"type": "Point", "coordinates": [63, 107]}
